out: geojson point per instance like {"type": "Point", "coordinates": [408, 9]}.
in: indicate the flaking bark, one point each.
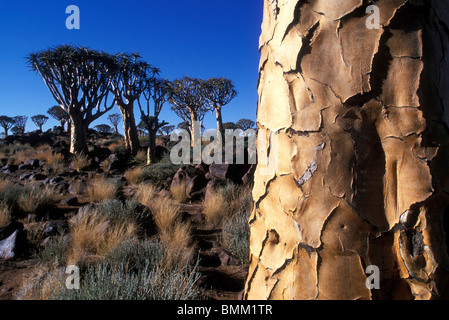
{"type": "Point", "coordinates": [376, 191]}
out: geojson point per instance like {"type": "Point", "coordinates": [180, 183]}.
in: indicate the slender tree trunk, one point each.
{"type": "Point", "coordinates": [62, 123]}
{"type": "Point", "coordinates": [132, 142]}
{"type": "Point", "coordinates": [78, 138]}
{"type": "Point", "coordinates": [361, 117]}
{"type": "Point", "coordinates": [220, 129]}
{"type": "Point", "coordinates": [151, 153]}
{"type": "Point", "coordinates": [193, 140]}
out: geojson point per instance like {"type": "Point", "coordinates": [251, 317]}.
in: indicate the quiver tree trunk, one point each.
{"type": "Point", "coordinates": [131, 135]}
{"type": "Point", "coordinates": [361, 117]}
{"type": "Point", "coordinates": [78, 135]}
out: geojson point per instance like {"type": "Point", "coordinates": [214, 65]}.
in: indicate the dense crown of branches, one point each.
{"type": "Point", "coordinates": [187, 99]}
{"type": "Point", "coordinates": [218, 92]}
{"type": "Point", "coordinates": [78, 78]}
{"type": "Point", "coordinates": [39, 120]}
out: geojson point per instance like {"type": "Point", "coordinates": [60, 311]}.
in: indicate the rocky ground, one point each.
{"type": "Point", "coordinates": [222, 277]}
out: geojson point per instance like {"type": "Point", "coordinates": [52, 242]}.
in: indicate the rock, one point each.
{"type": "Point", "coordinates": [56, 227]}
{"type": "Point", "coordinates": [25, 167]}
{"type": "Point", "coordinates": [33, 163]}
{"type": "Point", "coordinates": [200, 194]}
{"type": "Point", "coordinates": [10, 168]}
{"type": "Point", "coordinates": [219, 171]}
{"type": "Point", "coordinates": [196, 184]}
{"type": "Point", "coordinates": [37, 177]}
{"type": "Point", "coordinates": [117, 162]}
{"type": "Point", "coordinates": [79, 186]}
{"type": "Point", "coordinates": [12, 246]}
{"type": "Point", "coordinates": [63, 185]}
{"type": "Point", "coordinates": [72, 201]}
{"type": "Point", "coordinates": [25, 176]}
{"type": "Point", "coordinates": [55, 180]}
{"type": "Point", "coordinates": [5, 232]}
{"type": "Point", "coordinates": [227, 259]}
{"type": "Point", "coordinates": [248, 178]}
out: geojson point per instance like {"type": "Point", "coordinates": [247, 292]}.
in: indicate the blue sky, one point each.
{"type": "Point", "coordinates": [198, 38]}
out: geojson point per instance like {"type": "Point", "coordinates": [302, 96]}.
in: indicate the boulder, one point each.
{"type": "Point", "coordinates": [10, 247]}
{"type": "Point", "coordinates": [117, 162]}
{"type": "Point", "coordinates": [227, 259]}
{"type": "Point", "coordinates": [196, 184]}
{"type": "Point", "coordinates": [12, 240]}
{"type": "Point", "coordinates": [56, 227]}
{"type": "Point", "coordinates": [71, 201]}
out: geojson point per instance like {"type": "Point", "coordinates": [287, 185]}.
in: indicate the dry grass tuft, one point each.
{"type": "Point", "coordinates": [80, 162]}
{"type": "Point", "coordinates": [177, 243]}
{"type": "Point", "coordinates": [5, 215]}
{"type": "Point", "coordinates": [215, 208]}
{"type": "Point", "coordinates": [102, 189]}
{"type": "Point", "coordinates": [145, 194]}
{"type": "Point", "coordinates": [135, 175]}
{"type": "Point", "coordinates": [225, 202]}
{"type": "Point", "coordinates": [35, 197]}
{"type": "Point", "coordinates": [93, 237]}
{"type": "Point", "coordinates": [178, 191]}
{"type": "Point", "coordinates": [165, 212]}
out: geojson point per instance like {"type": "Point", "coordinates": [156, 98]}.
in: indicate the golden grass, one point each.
{"type": "Point", "coordinates": [102, 189]}
{"type": "Point", "coordinates": [165, 212]}
{"type": "Point", "coordinates": [223, 203]}
{"type": "Point", "coordinates": [5, 215]}
{"type": "Point", "coordinates": [141, 156]}
{"type": "Point", "coordinates": [177, 242]}
{"type": "Point", "coordinates": [145, 194]}
{"type": "Point", "coordinates": [215, 208]}
{"type": "Point", "coordinates": [93, 237]}
{"type": "Point", "coordinates": [41, 283]}
{"type": "Point", "coordinates": [80, 162]}
{"type": "Point", "coordinates": [178, 191]}
{"type": "Point", "coordinates": [4, 184]}
{"type": "Point", "coordinates": [135, 175]}
{"type": "Point", "coordinates": [35, 197]}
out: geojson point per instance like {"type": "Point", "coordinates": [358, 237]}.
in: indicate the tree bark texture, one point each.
{"type": "Point", "coordinates": [362, 178]}
{"type": "Point", "coordinates": [78, 135]}
{"type": "Point", "coordinates": [131, 135]}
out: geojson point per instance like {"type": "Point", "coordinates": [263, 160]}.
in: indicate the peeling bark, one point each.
{"type": "Point", "coordinates": [362, 118]}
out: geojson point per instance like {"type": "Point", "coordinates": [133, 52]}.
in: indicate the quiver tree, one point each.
{"type": "Point", "coordinates": [218, 92]}
{"type": "Point", "coordinates": [20, 123]}
{"type": "Point", "coordinates": [80, 80]}
{"type": "Point", "coordinates": [245, 124]}
{"type": "Point", "coordinates": [114, 119]}
{"type": "Point", "coordinates": [166, 130]}
{"type": "Point", "coordinates": [60, 115]}
{"type": "Point", "coordinates": [361, 119]}
{"type": "Point", "coordinates": [6, 123]}
{"type": "Point", "coordinates": [158, 91]}
{"type": "Point", "coordinates": [103, 128]}
{"type": "Point", "coordinates": [188, 103]}
{"type": "Point", "coordinates": [128, 83]}
{"type": "Point", "coordinates": [39, 120]}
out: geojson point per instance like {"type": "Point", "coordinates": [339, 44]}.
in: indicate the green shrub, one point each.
{"type": "Point", "coordinates": [159, 172]}
{"type": "Point", "coordinates": [236, 235]}
{"type": "Point", "coordinates": [54, 254]}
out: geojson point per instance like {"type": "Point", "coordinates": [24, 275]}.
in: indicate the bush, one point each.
{"type": "Point", "coordinates": [37, 197]}
{"type": "Point", "coordinates": [158, 173]}
{"type": "Point", "coordinates": [80, 162]}
{"type": "Point", "coordinates": [54, 254]}
{"type": "Point", "coordinates": [103, 189]}
{"type": "Point", "coordinates": [132, 271]}
{"type": "Point", "coordinates": [5, 215]}
{"type": "Point", "coordinates": [236, 235]}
